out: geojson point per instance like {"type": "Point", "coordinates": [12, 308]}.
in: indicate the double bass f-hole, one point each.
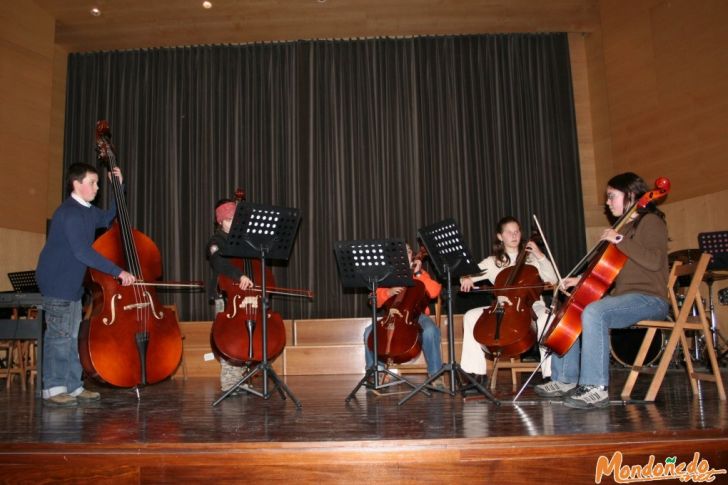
{"type": "Point", "coordinates": [132, 306]}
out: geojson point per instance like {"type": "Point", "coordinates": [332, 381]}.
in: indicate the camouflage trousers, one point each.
{"type": "Point", "coordinates": [230, 374]}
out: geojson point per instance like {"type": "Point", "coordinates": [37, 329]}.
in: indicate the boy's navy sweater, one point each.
{"type": "Point", "coordinates": [68, 253]}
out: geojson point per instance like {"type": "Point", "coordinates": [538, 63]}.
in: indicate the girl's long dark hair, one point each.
{"type": "Point", "coordinates": [633, 187]}
{"type": "Point", "coordinates": [499, 248]}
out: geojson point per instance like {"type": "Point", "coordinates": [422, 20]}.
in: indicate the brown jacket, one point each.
{"type": "Point", "coordinates": [646, 270]}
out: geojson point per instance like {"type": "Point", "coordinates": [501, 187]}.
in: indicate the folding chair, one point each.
{"type": "Point", "coordinates": [684, 320]}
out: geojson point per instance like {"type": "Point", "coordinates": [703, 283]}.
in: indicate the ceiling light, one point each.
{"type": "Point", "coordinates": [95, 11]}
{"type": "Point", "coordinates": [207, 4]}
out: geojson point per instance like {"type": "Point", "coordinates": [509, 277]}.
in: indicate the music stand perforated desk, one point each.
{"type": "Point", "coordinates": [262, 232]}
{"type": "Point", "coordinates": [24, 282]}
{"type": "Point", "coordinates": [716, 244]}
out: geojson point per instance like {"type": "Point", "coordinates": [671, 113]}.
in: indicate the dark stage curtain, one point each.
{"type": "Point", "coordinates": [368, 138]}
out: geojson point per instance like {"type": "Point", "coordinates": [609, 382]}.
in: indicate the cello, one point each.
{"type": "Point", "coordinates": [129, 339]}
{"type": "Point", "coordinates": [506, 330]}
{"type": "Point", "coordinates": [237, 332]}
{"type": "Point", "coordinates": [605, 263]}
{"type": "Point", "coordinates": [399, 336]}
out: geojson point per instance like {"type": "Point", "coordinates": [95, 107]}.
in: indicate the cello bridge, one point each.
{"type": "Point", "coordinates": [248, 304]}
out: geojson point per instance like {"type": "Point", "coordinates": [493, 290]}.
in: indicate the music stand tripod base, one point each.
{"type": "Point", "coordinates": [278, 386]}
{"type": "Point", "coordinates": [371, 381]}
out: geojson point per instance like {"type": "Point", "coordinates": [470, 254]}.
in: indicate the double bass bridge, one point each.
{"type": "Point", "coordinates": [149, 303]}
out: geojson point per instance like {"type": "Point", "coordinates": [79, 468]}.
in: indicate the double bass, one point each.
{"type": "Point", "coordinates": [130, 339]}
{"type": "Point", "coordinates": [237, 332]}
{"type": "Point", "coordinates": [506, 330]}
{"type": "Point", "coordinates": [605, 262]}
{"type": "Point", "coordinates": [399, 336]}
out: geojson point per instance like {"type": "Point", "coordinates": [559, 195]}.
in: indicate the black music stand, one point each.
{"type": "Point", "coordinates": [716, 244]}
{"type": "Point", "coordinates": [367, 264]}
{"type": "Point", "coordinates": [261, 231]}
{"type": "Point", "coordinates": [24, 282]}
{"type": "Point", "coordinates": [451, 257]}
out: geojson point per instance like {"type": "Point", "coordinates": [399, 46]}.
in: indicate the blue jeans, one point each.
{"type": "Point", "coordinates": [587, 362]}
{"type": "Point", "coordinates": [430, 344]}
{"type": "Point", "coordinates": [61, 364]}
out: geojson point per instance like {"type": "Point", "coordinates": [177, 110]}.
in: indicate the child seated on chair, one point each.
{"type": "Point", "coordinates": [430, 331]}
{"type": "Point", "coordinates": [506, 246]}
{"type": "Point", "coordinates": [581, 376]}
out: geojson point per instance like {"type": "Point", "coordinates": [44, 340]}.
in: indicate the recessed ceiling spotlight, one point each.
{"type": "Point", "coordinates": [207, 4]}
{"type": "Point", "coordinates": [95, 11]}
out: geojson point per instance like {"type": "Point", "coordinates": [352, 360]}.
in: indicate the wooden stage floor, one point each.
{"type": "Point", "coordinates": [173, 434]}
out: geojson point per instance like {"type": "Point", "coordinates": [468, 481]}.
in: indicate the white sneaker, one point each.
{"type": "Point", "coordinates": [588, 397]}
{"type": "Point", "coordinates": [554, 389]}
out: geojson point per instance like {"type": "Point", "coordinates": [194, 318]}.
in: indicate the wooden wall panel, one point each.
{"type": "Point", "coordinates": [330, 359]}
{"type": "Point", "coordinates": [133, 24]}
{"type": "Point", "coordinates": [330, 331]}
{"type": "Point", "coordinates": [54, 181]}
{"type": "Point", "coordinates": [591, 192]}
{"type": "Point", "coordinates": [26, 56]}
{"type": "Point", "coordinates": [666, 66]}
{"type": "Point", "coordinates": [19, 252]}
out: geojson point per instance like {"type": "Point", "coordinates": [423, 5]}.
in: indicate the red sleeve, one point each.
{"type": "Point", "coordinates": [432, 286]}
{"type": "Point", "coordinates": [382, 296]}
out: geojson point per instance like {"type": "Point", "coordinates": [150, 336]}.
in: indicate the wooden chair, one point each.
{"type": "Point", "coordinates": [30, 353]}
{"type": "Point", "coordinates": [31, 366]}
{"type": "Point", "coordinates": [684, 320]}
{"type": "Point", "coordinates": [18, 356]}
{"type": "Point", "coordinates": [6, 349]}
{"type": "Point", "coordinates": [17, 359]}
